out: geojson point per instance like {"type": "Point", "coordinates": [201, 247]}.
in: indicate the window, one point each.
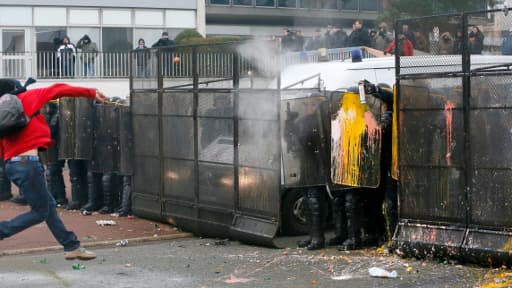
{"type": "Point", "coordinates": [266, 3]}
{"type": "Point", "coordinates": [117, 39]}
{"type": "Point", "coordinates": [349, 5]}
{"type": "Point", "coordinates": [13, 40]}
{"type": "Point", "coordinates": [150, 36]}
{"type": "Point", "coordinates": [287, 3]}
{"type": "Point", "coordinates": [117, 17]}
{"type": "Point", "coordinates": [319, 4]}
{"type": "Point", "coordinates": [219, 2]}
{"type": "Point", "coordinates": [370, 5]}
{"type": "Point", "coordinates": [76, 33]}
{"type": "Point", "coordinates": [16, 16]}
{"type": "Point", "coordinates": [149, 18]}
{"type": "Point", "coordinates": [50, 16]}
{"type": "Point", "coordinates": [84, 17]}
{"type": "Point", "coordinates": [48, 40]}
{"type": "Point", "coordinates": [180, 19]}
{"type": "Point", "coordinates": [242, 2]}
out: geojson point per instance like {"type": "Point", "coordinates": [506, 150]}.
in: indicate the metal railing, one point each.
{"type": "Point", "coordinates": [51, 65]}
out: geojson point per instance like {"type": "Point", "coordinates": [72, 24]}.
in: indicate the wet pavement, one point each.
{"type": "Point", "coordinates": [205, 263]}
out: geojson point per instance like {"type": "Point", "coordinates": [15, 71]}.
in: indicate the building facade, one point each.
{"type": "Point", "coordinates": [268, 17]}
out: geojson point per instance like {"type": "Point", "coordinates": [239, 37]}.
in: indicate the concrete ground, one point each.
{"type": "Point", "coordinates": [198, 263]}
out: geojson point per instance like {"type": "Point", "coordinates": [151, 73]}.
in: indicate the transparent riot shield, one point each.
{"type": "Point", "coordinates": [355, 143]}
{"type": "Point", "coordinates": [305, 135]}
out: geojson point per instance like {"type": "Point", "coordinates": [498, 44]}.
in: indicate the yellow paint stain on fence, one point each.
{"type": "Point", "coordinates": [354, 123]}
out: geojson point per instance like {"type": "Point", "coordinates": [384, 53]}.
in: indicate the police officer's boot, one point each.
{"type": "Point", "coordinates": [94, 187]}
{"type": "Point", "coordinates": [55, 182]}
{"type": "Point", "coordinates": [340, 221]}
{"type": "Point", "coordinates": [76, 172]}
{"type": "Point", "coordinates": [317, 229]}
{"type": "Point", "coordinates": [126, 203]}
{"type": "Point", "coordinates": [353, 240]}
{"type": "Point", "coordinates": [5, 185]}
{"type": "Point", "coordinates": [108, 196]}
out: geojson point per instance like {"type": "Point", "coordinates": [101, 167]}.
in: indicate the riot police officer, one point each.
{"type": "Point", "coordinates": [78, 179]}
{"type": "Point", "coordinates": [388, 184]}
{"type": "Point", "coordinates": [53, 173]}
{"type": "Point", "coordinates": [307, 131]}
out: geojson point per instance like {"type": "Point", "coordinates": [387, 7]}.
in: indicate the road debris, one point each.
{"type": "Point", "coordinates": [122, 243]}
{"type": "Point", "coordinates": [106, 222]}
{"type": "Point", "coordinates": [78, 266]}
{"type": "Point", "coordinates": [381, 273]}
{"type": "Point", "coordinates": [233, 279]}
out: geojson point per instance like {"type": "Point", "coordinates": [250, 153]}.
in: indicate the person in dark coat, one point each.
{"type": "Point", "coordinates": [164, 41]}
{"type": "Point", "coordinates": [359, 37]}
{"type": "Point", "coordinates": [336, 37]}
{"type": "Point", "coordinates": [476, 40]}
{"type": "Point", "coordinates": [317, 42]}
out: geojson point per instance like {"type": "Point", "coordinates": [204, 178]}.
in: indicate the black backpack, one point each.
{"type": "Point", "coordinates": [12, 115]}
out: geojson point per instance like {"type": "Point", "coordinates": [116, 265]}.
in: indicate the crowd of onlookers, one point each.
{"type": "Point", "coordinates": [382, 39]}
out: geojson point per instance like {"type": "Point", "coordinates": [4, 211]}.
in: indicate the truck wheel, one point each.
{"type": "Point", "coordinates": [293, 215]}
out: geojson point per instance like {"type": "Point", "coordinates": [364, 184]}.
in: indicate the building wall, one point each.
{"type": "Point", "coordinates": [174, 4]}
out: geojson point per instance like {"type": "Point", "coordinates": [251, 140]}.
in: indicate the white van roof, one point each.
{"type": "Point", "coordinates": [340, 75]}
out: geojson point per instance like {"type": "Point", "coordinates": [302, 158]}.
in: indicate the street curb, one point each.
{"type": "Point", "coordinates": [97, 244]}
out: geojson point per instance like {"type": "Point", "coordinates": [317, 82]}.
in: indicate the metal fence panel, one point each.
{"type": "Point", "coordinates": [454, 124]}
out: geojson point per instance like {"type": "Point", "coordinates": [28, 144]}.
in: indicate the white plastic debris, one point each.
{"type": "Point", "coordinates": [382, 273]}
{"type": "Point", "coordinates": [106, 222]}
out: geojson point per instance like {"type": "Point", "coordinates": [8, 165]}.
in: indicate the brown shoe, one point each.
{"type": "Point", "coordinates": [80, 253]}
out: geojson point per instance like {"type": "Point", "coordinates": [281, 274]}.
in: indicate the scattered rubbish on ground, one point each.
{"type": "Point", "coordinates": [342, 277]}
{"type": "Point", "coordinates": [106, 222]}
{"type": "Point", "coordinates": [128, 265]}
{"type": "Point", "coordinates": [381, 273]}
{"type": "Point", "coordinates": [78, 266]}
{"type": "Point", "coordinates": [233, 279]}
{"type": "Point", "coordinates": [221, 242]}
{"type": "Point", "coordinates": [86, 213]}
{"type": "Point", "coordinates": [122, 243]}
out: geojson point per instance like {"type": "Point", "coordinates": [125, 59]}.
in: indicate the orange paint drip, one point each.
{"type": "Point", "coordinates": [448, 113]}
{"type": "Point", "coordinates": [394, 144]}
{"type": "Point", "coordinates": [374, 131]}
{"type": "Point", "coordinates": [352, 125]}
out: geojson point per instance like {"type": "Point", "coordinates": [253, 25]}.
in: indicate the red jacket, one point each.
{"type": "Point", "coordinates": [407, 48]}
{"type": "Point", "coordinates": [37, 133]}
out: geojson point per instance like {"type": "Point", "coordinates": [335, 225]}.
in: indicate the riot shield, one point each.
{"type": "Point", "coordinates": [355, 144]}
{"type": "Point", "coordinates": [76, 120]}
{"type": "Point", "coordinates": [125, 141]}
{"type": "Point", "coordinates": [305, 136]}
{"type": "Point", "coordinates": [105, 156]}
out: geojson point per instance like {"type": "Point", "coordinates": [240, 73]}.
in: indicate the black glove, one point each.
{"type": "Point", "coordinates": [369, 88]}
